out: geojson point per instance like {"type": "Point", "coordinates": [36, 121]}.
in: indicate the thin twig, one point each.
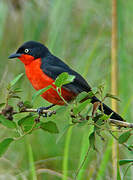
{"type": "Point", "coordinates": [113, 121]}
{"type": "Point", "coordinates": [32, 110]}
{"type": "Point", "coordinates": [121, 123]}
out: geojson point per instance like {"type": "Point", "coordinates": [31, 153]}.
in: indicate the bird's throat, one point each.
{"type": "Point", "coordinates": [26, 59]}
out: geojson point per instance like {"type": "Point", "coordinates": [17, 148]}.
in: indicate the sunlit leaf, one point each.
{"type": "Point", "coordinates": [4, 145]}
{"type": "Point", "coordinates": [94, 90]}
{"type": "Point", "coordinates": [91, 94]}
{"type": "Point", "coordinates": [7, 123]}
{"type": "Point", "coordinates": [101, 118]}
{"type": "Point", "coordinates": [50, 126]}
{"type": "Point", "coordinates": [64, 78]}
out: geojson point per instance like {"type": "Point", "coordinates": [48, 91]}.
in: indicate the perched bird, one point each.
{"type": "Point", "coordinates": [42, 68]}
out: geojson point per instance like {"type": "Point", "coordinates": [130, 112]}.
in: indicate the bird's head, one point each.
{"type": "Point", "coordinates": [30, 51]}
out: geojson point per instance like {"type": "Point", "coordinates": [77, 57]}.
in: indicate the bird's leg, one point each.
{"type": "Point", "coordinates": [40, 110]}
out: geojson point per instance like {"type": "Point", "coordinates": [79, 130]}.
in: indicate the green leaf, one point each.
{"type": "Point", "coordinates": [101, 86]}
{"type": "Point", "coordinates": [28, 128]}
{"type": "Point", "coordinates": [69, 79]}
{"type": "Point", "coordinates": [112, 96]}
{"type": "Point", "coordinates": [81, 96]}
{"type": "Point", "coordinates": [105, 117]}
{"type": "Point", "coordinates": [99, 121]}
{"type": "Point", "coordinates": [4, 145]}
{"type": "Point", "coordinates": [37, 125]}
{"type": "Point", "coordinates": [2, 104]}
{"type": "Point", "coordinates": [7, 123]}
{"type": "Point", "coordinates": [14, 81]}
{"type": "Point", "coordinates": [28, 104]}
{"type": "Point", "coordinates": [130, 146]}
{"type": "Point", "coordinates": [125, 161]}
{"type": "Point", "coordinates": [82, 123]}
{"type": "Point", "coordinates": [101, 118]}
{"type": "Point", "coordinates": [17, 90]}
{"type": "Point", "coordinates": [15, 96]}
{"type": "Point", "coordinates": [124, 137]}
{"type": "Point", "coordinates": [50, 126]}
{"type": "Point", "coordinates": [95, 90]}
{"type": "Point", "coordinates": [27, 122]}
{"type": "Point", "coordinates": [91, 94]}
{"type": "Point", "coordinates": [81, 106]}
{"type": "Point", "coordinates": [64, 78]}
{"type": "Point", "coordinates": [38, 93]}
{"type": "Point", "coordinates": [92, 140]}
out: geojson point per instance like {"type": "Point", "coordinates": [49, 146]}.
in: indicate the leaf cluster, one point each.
{"type": "Point", "coordinates": [80, 114]}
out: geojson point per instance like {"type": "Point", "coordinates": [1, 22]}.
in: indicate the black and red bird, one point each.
{"type": "Point", "coordinates": [42, 68]}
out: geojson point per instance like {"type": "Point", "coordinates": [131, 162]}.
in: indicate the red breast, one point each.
{"type": "Point", "coordinates": [40, 80]}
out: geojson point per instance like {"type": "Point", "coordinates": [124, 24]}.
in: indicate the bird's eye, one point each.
{"type": "Point", "coordinates": [26, 50]}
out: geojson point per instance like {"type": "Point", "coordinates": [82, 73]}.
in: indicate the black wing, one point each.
{"type": "Point", "coordinates": [53, 67]}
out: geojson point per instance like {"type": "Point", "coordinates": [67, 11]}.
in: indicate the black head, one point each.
{"type": "Point", "coordinates": [33, 48]}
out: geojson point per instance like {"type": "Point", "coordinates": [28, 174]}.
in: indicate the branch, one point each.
{"type": "Point", "coordinates": [113, 121]}
{"type": "Point", "coordinates": [35, 110]}
{"type": "Point", "coordinates": [121, 123]}
{"type": "Point", "coordinates": [10, 110]}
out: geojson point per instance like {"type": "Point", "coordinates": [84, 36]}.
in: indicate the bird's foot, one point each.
{"type": "Point", "coordinates": [47, 114]}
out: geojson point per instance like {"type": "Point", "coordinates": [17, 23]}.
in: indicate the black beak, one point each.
{"type": "Point", "coordinates": [14, 55]}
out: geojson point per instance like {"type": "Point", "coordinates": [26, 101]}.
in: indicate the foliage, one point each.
{"type": "Point", "coordinates": [32, 122]}
{"type": "Point", "coordinates": [79, 32]}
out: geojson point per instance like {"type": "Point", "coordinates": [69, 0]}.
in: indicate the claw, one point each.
{"type": "Point", "coordinates": [40, 111]}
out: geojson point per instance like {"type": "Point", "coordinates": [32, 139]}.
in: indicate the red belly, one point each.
{"type": "Point", "coordinates": [40, 80]}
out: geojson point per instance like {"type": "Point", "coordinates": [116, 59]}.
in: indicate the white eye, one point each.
{"type": "Point", "coordinates": [26, 50]}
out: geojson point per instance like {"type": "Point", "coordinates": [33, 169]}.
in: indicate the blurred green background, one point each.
{"type": "Point", "coordinates": [79, 32]}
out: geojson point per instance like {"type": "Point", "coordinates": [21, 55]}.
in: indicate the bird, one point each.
{"type": "Point", "coordinates": [42, 68]}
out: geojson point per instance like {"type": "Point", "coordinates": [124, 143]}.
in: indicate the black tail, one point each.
{"type": "Point", "coordinates": [107, 110]}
